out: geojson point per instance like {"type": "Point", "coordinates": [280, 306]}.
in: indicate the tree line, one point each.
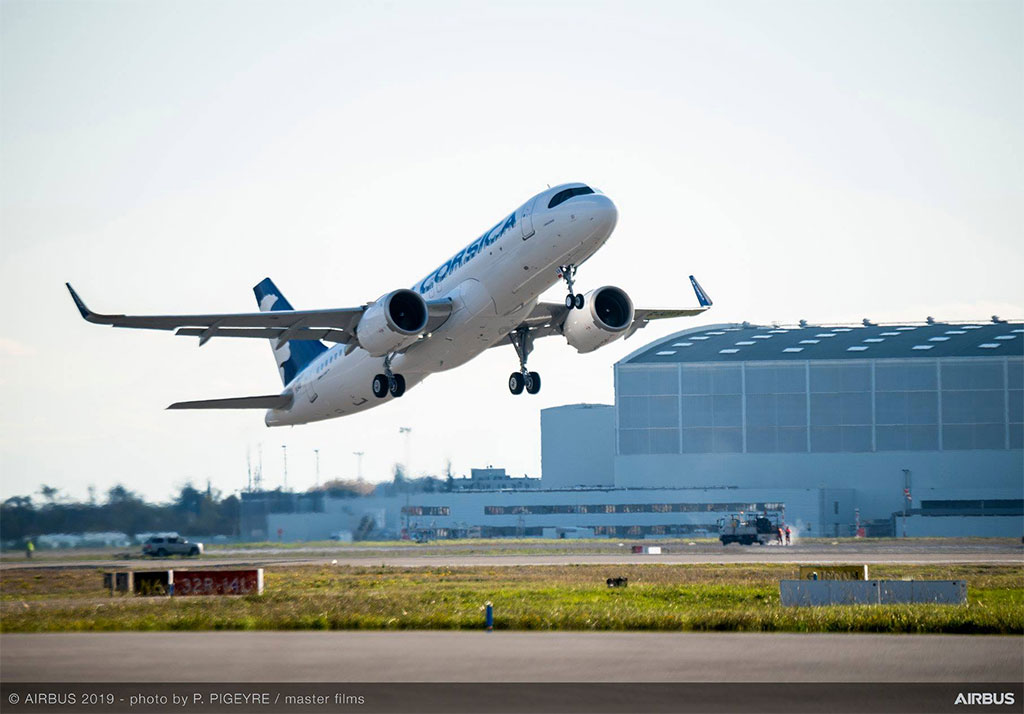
{"type": "Point", "coordinates": [190, 511]}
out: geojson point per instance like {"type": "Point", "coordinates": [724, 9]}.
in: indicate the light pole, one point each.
{"type": "Point", "coordinates": [359, 463]}
{"type": "Point", "coordinates": [408, 434]}
{"type": "Point", "coordinates": [316, 452]}
{"type": "Point", "coordinates": [284, 481]}
{"type": "Point", "coordinates": [906, 498]}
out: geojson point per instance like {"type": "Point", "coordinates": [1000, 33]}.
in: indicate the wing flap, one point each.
{"type": "Point", "coordinates": [270, 401]}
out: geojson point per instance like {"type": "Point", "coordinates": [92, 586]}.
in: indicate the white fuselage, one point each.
{"type": "Point", "coordinates": [494, 283]}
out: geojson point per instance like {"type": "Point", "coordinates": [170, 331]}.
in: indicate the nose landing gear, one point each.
{"type": "Point", "coordinates": [522, 340]}
{"type": "Point", "coordinates": [389, 382]}
{"type": "Point", "coordinates": [568, 274]}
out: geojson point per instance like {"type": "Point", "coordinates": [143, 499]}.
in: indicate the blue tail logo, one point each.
{"type": "Point", "coordinates": [702, 297]}
{"type": "Point", "coordinates": [295, 355]}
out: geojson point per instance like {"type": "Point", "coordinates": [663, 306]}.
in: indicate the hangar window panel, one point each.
{"type": "Point", "coordinates": [824, 378]}
{"type": "Point", "coordinates": [728, 410]}
{"type": "Point", "coordinates": [973, 407]}
{"type": "Point", "coordinates": [923, 438]}
{"type": "Point", "coordinates": [826, 438]}
{"type": "Point", "coordinates": [696, 379]}
{"type": "Point", "coordinates": [956, 437]}
{"type": "Point", "coordinates": [1015, 373]}
{"type": "Point", "coordinates": [776, 379]}
{"type": "Point", "coordinates": [855, 408]}
{"type": "Point", "coordinates": [907, 438]}
{"type": "Point", "coordinates": [825, 409]}
{"type": "Point", "coordinates": [632, 382]}
{"type": "Point", "coordinates": [976, 374]}
{"type": "Point", "coordinates": [891, 438]}
{"type": "Point", "coordinates": [856, 438]}
{"type": "Point", "coordinates": [664, 381]}
{"type": "Point", "coordinates": [922, 407]}
{"type": "Point", "coordinates": [989, 436]}
{"type": "Point", "coordinates": [632, 412]}
{"type": "Point", "coordinates": [727, 379]}
{"type": "Point", "coordinates": [791, 409]}
{"type": "Point", "coordinates": [1016, 406]}
{"type": "Point", "coordinates": [761, 440]}
{"type": "Point", "coordinates": [697, 441]}
{"type": "Point", "coordinates": [662, 412]}
{"type": "Point", "coordinates": [761, 410]}
{"type": "Point", "coordinates": [697, 411]}
{"type": "Point", "coordinates": [633, 441]}
{"type": "Point", "coordinates": [664, 441]}
{"type": "Point", "coordinates": [844, 377]}
{"type": "Point", "coordinates": [1017, 436]}
{"type": "Point", "coordinates": [792, 440]}
{"type": "Point", "coordinates": [727, 440]}
{"type": "Point", "coordinates": [905, 376]}
{"type": "Point", "coordinates": [891, 407]}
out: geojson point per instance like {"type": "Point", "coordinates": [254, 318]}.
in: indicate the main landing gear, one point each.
{"type": "Point", "coordinates": [568, 273]}
{"type": "Point", "coordinates": [522, 340]}
{"type": "Point", "coordinates": [388, 383]}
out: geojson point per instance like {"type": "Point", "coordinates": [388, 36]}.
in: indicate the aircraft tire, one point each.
{"type": "Point", "coordinates": [579, 301]}
{"type": "Point", "coordinates": [570, 301]}
{"type": "Point", "coordinates": [532, 382]}
{"type": "Point", "coordinates": [516, 383]}
{"type": "Point", "coordinates": [380, 386]}
{"type": "Point", "coordinates": [397, 387]}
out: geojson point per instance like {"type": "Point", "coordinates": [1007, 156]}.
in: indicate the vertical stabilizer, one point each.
{"type": "Point", "coordinates": [293, 356]}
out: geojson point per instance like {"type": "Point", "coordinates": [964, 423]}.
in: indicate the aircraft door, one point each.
{"type": "Point", "coordinates": [526, 219]}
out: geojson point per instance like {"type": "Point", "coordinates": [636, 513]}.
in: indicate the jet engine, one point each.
{"type": "Point", "coordinates": [395, 321]}
{"type": "Point", "coordinates": [607, 314]}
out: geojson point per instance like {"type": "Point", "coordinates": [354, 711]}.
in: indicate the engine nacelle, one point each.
{"type": "Point", "coordinates": [606, 315]}
{"type": "Point", "coordinates": [393, 322]}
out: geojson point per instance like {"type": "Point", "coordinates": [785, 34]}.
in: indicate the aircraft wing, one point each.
{"type": "Point", "coordinates": [549, 317]}
{"type": "Point", "coordinates": [334, 325]}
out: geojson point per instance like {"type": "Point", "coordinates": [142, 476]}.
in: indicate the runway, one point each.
{"type": "Point", "coordinates": [418, 656]}
{"type": "Point", "coordinates": [506, 657]}
{"type": "Point", "coordinates": [432, 557]}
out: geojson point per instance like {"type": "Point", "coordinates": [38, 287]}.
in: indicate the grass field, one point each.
{"type": "Point", "coordinates": [571, 597]}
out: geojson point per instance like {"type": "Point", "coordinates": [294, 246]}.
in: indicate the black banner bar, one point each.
{"type": "Point", "coordinates": [502, 698]}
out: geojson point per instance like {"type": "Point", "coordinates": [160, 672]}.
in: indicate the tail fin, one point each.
{"type": "Point", "coordinates": [293, 356]}
{"type": "Point", "coordinates": [702, 297]}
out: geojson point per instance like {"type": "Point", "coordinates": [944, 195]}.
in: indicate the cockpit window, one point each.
{"type": "Point", "coordinates": [563, 196]}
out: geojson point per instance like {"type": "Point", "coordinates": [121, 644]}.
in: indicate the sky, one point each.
{"type": "Point", "coordinates": [827, 161]}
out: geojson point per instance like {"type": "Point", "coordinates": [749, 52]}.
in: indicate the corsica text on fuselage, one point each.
{"type": "Point", "coordinates": [466, 254]}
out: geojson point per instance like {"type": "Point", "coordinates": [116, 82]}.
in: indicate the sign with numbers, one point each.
{"type": "Point", "coordinates": [218, 582]}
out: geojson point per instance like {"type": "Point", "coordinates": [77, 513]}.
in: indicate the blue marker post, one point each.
{"type": "Point", "coordinates": [490, 617]}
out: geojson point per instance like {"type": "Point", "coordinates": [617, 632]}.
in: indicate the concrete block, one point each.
{"type": "Point", "coordinates": [871, 592]}
{"type": "Point", "coordinates": [803, 592]}
{"type": "Point", "coordinates": [852, 592]}
{"type": "Point", "coordinates": [945, 592]}
{"type": "Point", "coordinates": [896, 591]}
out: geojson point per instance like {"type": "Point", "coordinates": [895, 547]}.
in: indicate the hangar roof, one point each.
{"type": "Point", "coordinates": [760, 343]}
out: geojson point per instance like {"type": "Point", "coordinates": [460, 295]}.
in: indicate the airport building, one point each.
{"type": "Point", "coordinates": [913, 429]}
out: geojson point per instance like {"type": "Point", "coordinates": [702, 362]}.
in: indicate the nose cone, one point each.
{"type": "Point", "coordinates": [604, 211]}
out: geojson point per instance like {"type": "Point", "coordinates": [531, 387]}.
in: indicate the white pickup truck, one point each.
{"type": "Point", "coordinates": [163, 545]}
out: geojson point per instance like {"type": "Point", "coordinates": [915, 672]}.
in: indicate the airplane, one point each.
{"type": "Point", "coordinates": [484, 296]}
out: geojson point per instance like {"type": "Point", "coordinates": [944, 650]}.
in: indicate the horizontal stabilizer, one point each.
{"type": "Point", "coordinates": [271, 401]}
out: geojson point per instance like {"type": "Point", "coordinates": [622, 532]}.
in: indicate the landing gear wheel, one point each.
{"type": "Point", "coordinates": [532, 382]}
{"type": "Point", "coordinates": [516, 383]}
{"type": "Point", "coordinates": [570, 301]}
{"type": "Point", "coordinates": [397, 386]}
{"type": "Point", "coordinates": [380, 386]}
{"type": "Point", "coordinates": [579, 301]}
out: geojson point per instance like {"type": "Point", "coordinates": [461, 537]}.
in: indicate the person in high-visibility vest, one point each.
{"type": "Point", "coordinates": [29, 547]}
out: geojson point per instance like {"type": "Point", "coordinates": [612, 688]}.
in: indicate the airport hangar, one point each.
{"type": "Point", "coordinates": [912, 429]}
